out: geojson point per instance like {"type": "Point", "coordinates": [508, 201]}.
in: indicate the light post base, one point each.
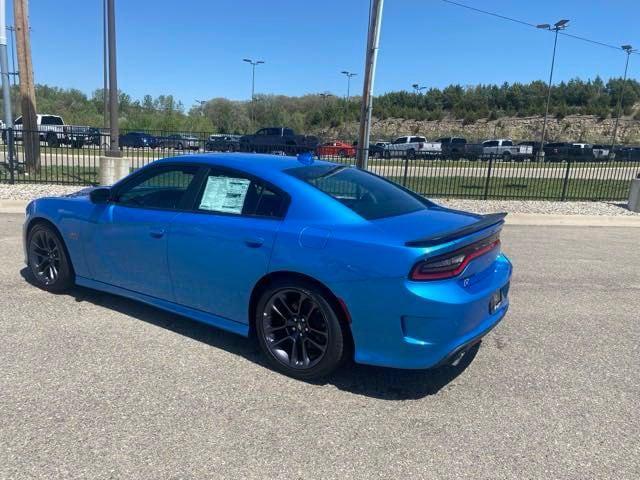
{"type": "Point", "coordinates": [112, 169]}
{"type": "Point", "coordinates": [634, 195]}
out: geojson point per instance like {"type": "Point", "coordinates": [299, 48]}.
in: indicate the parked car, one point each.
{"type": "Point", "coordinates": [376, 150]}
{"type": "Point", "coordinates": [52, 130]}
{"type": "Point", "coordinates": [278, 139]}
{"type": "Point", "coordinates": [336, 149]}
{"type": "Point", "coordinates": [627, 153]}
{"type": "Point", "coordinates": [535, 147]}
{"type": "Point", "coordinates": [354, 264]}
{"type": "Point", "coordinates": [502, 148]}
{"type": "Point", "coordinates": [412, 147]}
{"type": "Point", "coordinates": [138, 140]}
{"type": "Point", "coordinates": [223, 143]}
{"type": "Point", "coordinates": [180, 141]}
{"type": "Point", "coordinates": [600, 152]}
{"type": "Point", "coordinates": [452, 147]}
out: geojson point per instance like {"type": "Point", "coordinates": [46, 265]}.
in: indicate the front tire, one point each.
{"type": "Point", "coordinates": [298, 330]}
{"type": "Point", "coordinates": [48, 259]}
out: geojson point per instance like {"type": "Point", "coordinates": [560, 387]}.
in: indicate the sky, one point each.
{"type": "Point", "coordinates": [193, 49]}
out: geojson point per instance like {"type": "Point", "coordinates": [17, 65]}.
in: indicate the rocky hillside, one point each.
{"type": "Point", "coordinates": [582, 128]}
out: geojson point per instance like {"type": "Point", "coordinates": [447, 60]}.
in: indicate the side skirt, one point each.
{"type": "Point", "coordinates": [198, 315]}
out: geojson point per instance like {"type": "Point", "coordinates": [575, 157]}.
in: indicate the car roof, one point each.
{"type": "Point", "coordinates": [255, 163]}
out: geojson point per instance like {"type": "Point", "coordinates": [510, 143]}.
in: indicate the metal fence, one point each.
{"type": "Point", "coordinates": [73, 158]}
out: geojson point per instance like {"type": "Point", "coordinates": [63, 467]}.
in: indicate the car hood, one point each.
{"type": "Point", "coordinates": [430, 222]}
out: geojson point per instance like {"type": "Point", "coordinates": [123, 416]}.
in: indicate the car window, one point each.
{"type": "Point", "coordinates": [237, 194]}
{"type": "Point", "coordinates": [417, 139]}
{"type": "Point", "coordinates": [288, 132]}
{"type": "Point", "coordinates": [459, 140]}
{"type": "Point", "coordinates": [274, 132]}
{"type": "Point", "coordinates": [400, 140]}
{"type": "Point", "coordinates": [507, 143]}
{"type": "Point", "coordinates": [159, 187]}
{"type": "Point", "coordinates": [491, 143]}
{"type": "Point", "coordinates": [368, 195]}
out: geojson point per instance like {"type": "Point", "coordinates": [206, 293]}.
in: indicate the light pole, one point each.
{"type": "Point", "coordinates": [559, 25]}
{"type": "Point", "coordinates": [348, 75]}
{"type": "Point", "coordinates": [201, 105]}
{"type": "Point", "coordinates": [418, 88]}
{"type": "Point", "coordinates": [253, 83]}
{"type": "Point", "coordinates": [628, 49]}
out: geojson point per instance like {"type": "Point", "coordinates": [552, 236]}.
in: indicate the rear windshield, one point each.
{"type": "Point", "coordinates": [369, 196]}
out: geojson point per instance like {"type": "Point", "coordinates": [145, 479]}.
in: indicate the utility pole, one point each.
{"type": "Point", "coordinates": [6, 85]}
{"type": "Point", "coordinates": [628, 49]}
{"type": "Point", "coordinates": [30, 135]}
{"type": "Point", "coordinates": [373, 42]}
{"type": "Point", "coordinates": [559, 25]}
{"type": "Point", "coordinates": [105, 61]}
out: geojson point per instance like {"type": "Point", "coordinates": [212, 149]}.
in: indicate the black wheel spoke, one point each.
{"type": "Point", "coordinates": [287, 332]}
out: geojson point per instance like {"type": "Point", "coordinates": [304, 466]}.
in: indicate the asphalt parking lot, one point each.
{"type": "Point", "coordinates": [95, 386]}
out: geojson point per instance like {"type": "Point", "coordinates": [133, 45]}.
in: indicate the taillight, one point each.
{"type": "Point", "coordinates": [452, 264]}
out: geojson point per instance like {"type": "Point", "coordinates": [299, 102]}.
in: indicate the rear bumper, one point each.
{"type": "Point", "coordinates": [418, 325]}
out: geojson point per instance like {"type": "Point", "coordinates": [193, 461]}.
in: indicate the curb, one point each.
{"type": "Point", "coordinates": [530, 219]}
{"type": "Point", "coordinates": [536, 219]}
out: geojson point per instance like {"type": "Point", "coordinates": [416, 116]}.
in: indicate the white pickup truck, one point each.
{"type": "Point", "coordinates": [52, 129]}
{"type": "Point", "coordinates": [412, 147]}
{"type": "Point", "coordinates": [501, 147]}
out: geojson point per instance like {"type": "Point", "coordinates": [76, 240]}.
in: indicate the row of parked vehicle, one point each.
{"type": "Point", "coordinates": [54, 132]}
{"type": "Point", "coordinates": [416, 146]}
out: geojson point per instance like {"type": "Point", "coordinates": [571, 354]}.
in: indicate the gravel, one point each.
{"type": "Point", "coordinates": [28, 191]}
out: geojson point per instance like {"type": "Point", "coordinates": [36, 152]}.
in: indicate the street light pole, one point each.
{"type": "Point", "coordinates": [105, 61]}
{"type": "Point", "coordinates": [348, 75]}
{"type": "Point", "coordinates": [417, 88]}
{"type": "Point", "coordinates": [628, 49]}
{"type": "Point", "coordinates": [114, 149]}
{"type": "Point", "coordinates": [560, 25]}
{"type": "Point", "coordinates": [253, 83]}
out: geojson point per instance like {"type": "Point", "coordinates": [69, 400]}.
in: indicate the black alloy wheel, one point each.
{"type": "Point", "coordinates": [299, 331]}
{"type": "Point", "coordinates": [48, 259]}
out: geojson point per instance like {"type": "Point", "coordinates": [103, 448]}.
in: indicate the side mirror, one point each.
{"type": "Point", "coordinates": [100, 195]}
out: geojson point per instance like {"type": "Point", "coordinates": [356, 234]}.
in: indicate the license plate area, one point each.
{"type": "Point", "coordinates": [497, 298]}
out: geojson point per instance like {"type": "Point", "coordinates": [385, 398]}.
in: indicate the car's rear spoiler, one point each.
{"type": "Point", "coordinates": [485, 221]}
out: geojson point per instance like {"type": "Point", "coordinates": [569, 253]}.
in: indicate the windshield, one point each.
{"type": "Point", "coordinates": [368, 195]}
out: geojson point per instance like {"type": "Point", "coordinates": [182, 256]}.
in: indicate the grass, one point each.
{"type": "Point", "coordinates": [518, 188]}
{"type": "Point", "coordinates": [445, 186]}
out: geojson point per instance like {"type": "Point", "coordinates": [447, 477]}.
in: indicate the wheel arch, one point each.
{"type": "Point", "coordinates": [45, 221]}
{"type": "Point", "coordinates": [336, 303]}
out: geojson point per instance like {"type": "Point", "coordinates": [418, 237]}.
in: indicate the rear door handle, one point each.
{"type": "Point", "coordinates": [254, 242]}
{"type": "Point", "coordinates": [157, 233]}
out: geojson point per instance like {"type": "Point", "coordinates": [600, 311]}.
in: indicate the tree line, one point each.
{"type": "Point", "coordinates": [314, 113]}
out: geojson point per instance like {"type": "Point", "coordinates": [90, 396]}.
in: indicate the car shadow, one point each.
{"type": "Point", "coordinates": [376, 382]}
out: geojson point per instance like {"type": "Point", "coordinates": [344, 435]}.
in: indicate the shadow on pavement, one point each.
{"type": "Point", "coordinates": [376, 382]}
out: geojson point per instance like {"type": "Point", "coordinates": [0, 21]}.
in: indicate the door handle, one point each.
{"type": "Point", "coordinates": [157, 233]}
{"type": "Point", "coordinates": [254, 242]}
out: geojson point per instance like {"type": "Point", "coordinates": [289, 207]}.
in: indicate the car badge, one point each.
{"type": "Point", "coordinates": [306, 158]}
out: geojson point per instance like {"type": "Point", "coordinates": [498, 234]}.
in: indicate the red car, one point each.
{"type": "Point", "coordinates": [336, 149]}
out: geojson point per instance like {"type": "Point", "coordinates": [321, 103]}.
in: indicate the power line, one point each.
{"type": "Point", "coordinates": [522, 22]}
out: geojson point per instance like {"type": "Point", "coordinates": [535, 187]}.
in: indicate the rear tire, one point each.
{"type": "Point", "coordinates": [48, 259]}
{"type": "Point", "coordinates": [298, 330]}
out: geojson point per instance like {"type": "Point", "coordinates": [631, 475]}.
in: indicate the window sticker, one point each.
{"type": "Point", "coordinates": [224, 194]}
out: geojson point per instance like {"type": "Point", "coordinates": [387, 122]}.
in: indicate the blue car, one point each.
{"type": "Point", "coordinates": [318, 261]}
{"type": "Point", "coordinates": [138, 140]}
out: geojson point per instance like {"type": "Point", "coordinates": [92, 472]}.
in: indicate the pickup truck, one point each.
{"type": "Point", "coordinates": [452, 147]}
{"type": "Point", "coordinates": [500, 147]}
{"type": "Point", "coordinates": [412, 147]}
{"type": "Point", "coordinates": [53, 130]}
{"type": "Point", "coordinates": [277, 140]}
